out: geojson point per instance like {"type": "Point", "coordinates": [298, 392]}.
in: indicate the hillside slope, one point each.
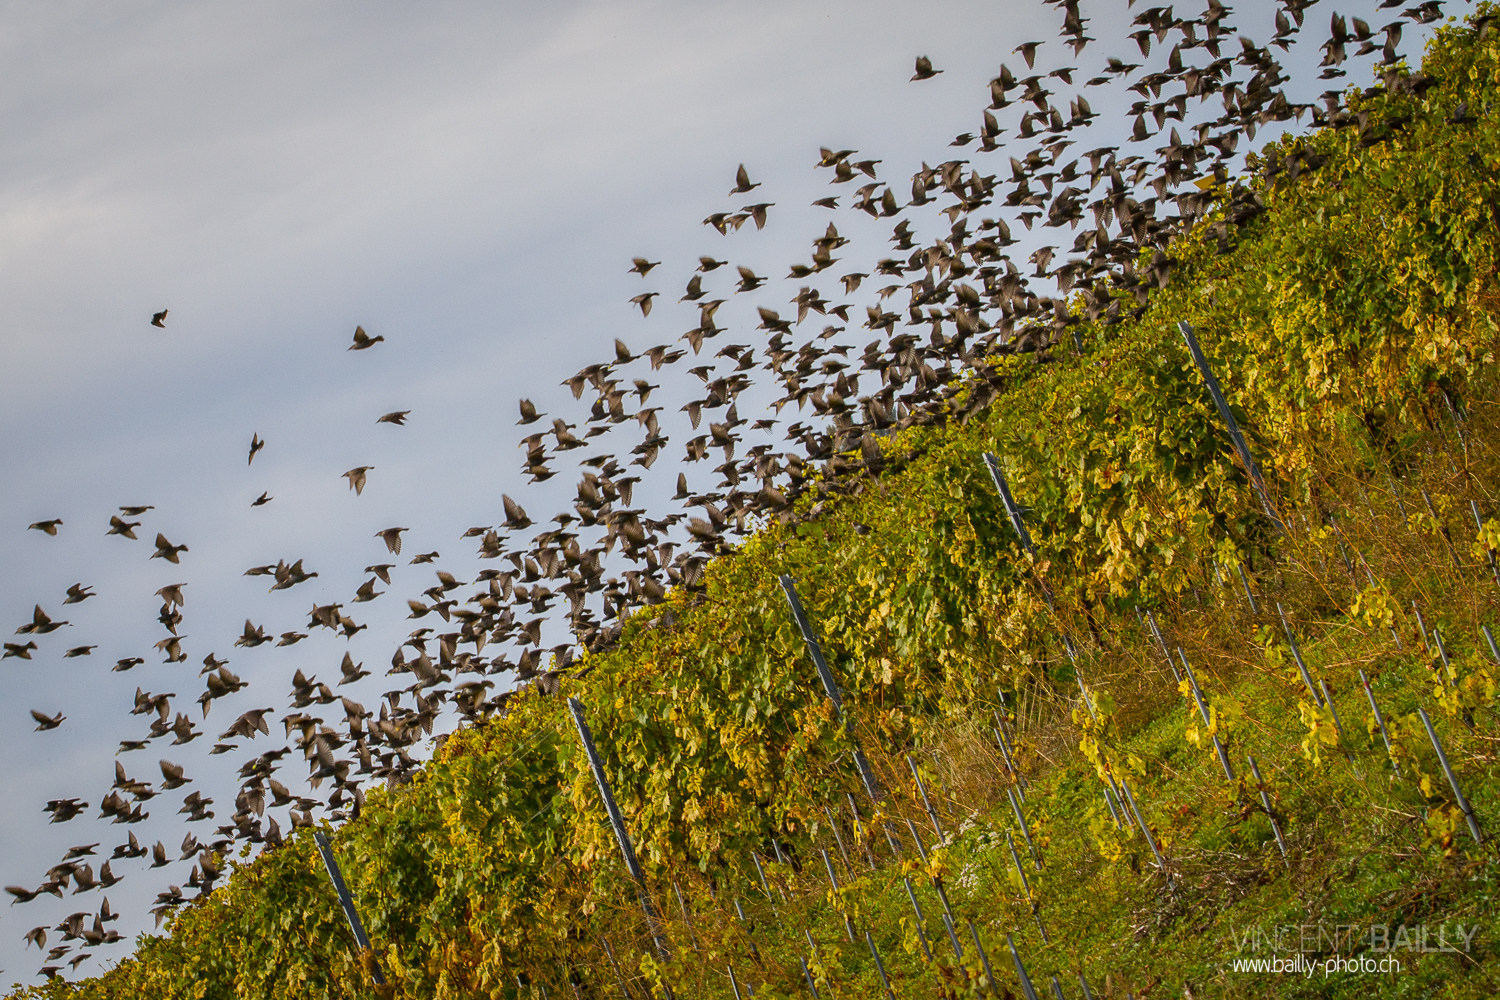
{"type": "Point", "coordinates": [1353, 327]}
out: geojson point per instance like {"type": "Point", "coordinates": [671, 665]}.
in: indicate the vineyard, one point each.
{"type": "Point", "coordinates": [1154, 713]}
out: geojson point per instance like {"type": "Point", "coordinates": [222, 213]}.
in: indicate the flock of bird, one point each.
{"type": "Point", "coordinates": [966, 303]}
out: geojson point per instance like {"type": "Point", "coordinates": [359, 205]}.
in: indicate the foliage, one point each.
{"type": "Point", "coordinates": [1335, 322]}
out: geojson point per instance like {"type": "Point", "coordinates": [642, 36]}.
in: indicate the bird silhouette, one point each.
{"type": "Point", "coordinates": [924, 69]}
{"type": "Point", "coordinates": [356, 477]}
{"type": "Point", "coordinates": [363, 341]}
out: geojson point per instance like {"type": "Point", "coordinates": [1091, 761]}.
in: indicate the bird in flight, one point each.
{"type": "Point", "coordinates": [159, 319]}
{"type": "Point", "coordinates": [642, 266]}
{"type": "Point", "coordinates": [119, 527]}
{"type": "Point", "coordinates": [742, 183]}
{"type": "Point", "coordinates": [363, 341]}
{"type": "Point", "coordinates": [262, 500]}
{"type": "Point", "coordinates": [924, 69]}
{"type": "Point", "coordinates": [166, 550]}
{"type": "Point", "coordinates": [50, 527]}
{"type": "Point", "coordinates": [256, 444]}
{"type": "Point", "coordinates": [397, 417]}
{"type": "Point", "coordinates": [392, 538]}
{"type": "Point", "coordinates": [44, 722]}
{"type": "Point", "coordinates": [356, 477]}
{"type": "Point", "coordinates": [40, 624]}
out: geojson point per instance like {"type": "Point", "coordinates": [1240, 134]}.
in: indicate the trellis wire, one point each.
{"type": "Point", "coordinates": [839, 838]}
{"type": "Point", "coordinates": [926, 802]}
{"type": "Point", "coordinates": [1026, 986]}
{"type": "Point", "coordinates": [1025, 830]}
{"type": "Point", "coordinates": [1291, 641]}
{"type": "Point", "coordinates": [1458, 795]}
{"type": "Point", "coordinates": [1203, 711]}
{"type": "Point", "coordinates": [984, 958]}
{"type": "Point", "coordinates": [622, 835]}
{"type": "Point", "coordinates": [1265, 801]}
{"type": "Point", "coordinates": [1031, 903]}
{"type": "Point", "coordinates": [879, 966]}
{"type": "Point", "coordinates": [1150, 840]}
{"type": "Point", "coordinates": [830, 687]}
{"type": "Point", "coordinates": [937, 883]}
{"type": "Point", "coordinates": [620, 977]}
{"type": "Point", "coordinates": [833, 880]}
{"type": "Point", "coordinates": [1244, 582]}
{"type": "Point", "coordinates": [1226, 415]}
{"type": "Point", "coordinates": [1018, 523]}
{"type": "Point", "coordinates": [1379, 722]}
{"type": "Point", "coordinates": [346, 901]}
{"type": "Point", "coordinates": [1489, 553]}
{"type": "Point", "coordinates": [1162, 643]}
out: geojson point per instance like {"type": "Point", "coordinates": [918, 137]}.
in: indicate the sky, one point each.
{"type": "Point", "coordinates": [469, 181]}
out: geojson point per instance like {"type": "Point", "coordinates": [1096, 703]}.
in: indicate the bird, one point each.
{"type": "Point", "coordinates": [44, 722]}
{"type": "Point", "coordinates": [50, 527]}
{"type": "Point", "coordinates": [363, 341]}
{"type": "Point", "coordinates": [79, 651]}
{"type": "Point", "coordinates": [742, 183]}
{"type": "Point", "coordinates": [397, 417]}
{"type": "Point", "coordinates": [383, 570]}
{"type": "Point", "coordinates": [159, 319]}
{"type": "Point", "coordinates": [121, 527]}
{"type": "Point", "coordinates": [254, 635]}
{"type": "Point", "coordinates": [924, 69]}
{"type": "Point", "coordinates": [41, 623]}
{"type": "Point", "coordinates": [63, 810]}
{"type": "Point", "coordinates": [515, 514]}
{"type": "Point", "coordinates": [351, 670]}
{"type": "Point", "coordinates": [247, 725]}
{"type": "Point", "coordinates": [1028, 52]}
{"type": "Point", "coordinates": [166, 550]}
{"type": "Point", "coordinates": [78, 593]}
{"type": "Point", "coordinates": [392, 539]}
{"type": "Point", "coordinates": [642, 266]}
{"type": "Point", "coordinates": [758, 212]}
{"type": "Point", "coordinates": [256, 444]}
{"type": "Point", "coordinates": [356, 477]}
{"type": "Point", "coordinates": [528, 413]}
{"type": "Point", "coordinates": [262, 500]}
{"type": "Point", "coordinates": [172, 775]}
{"type": "Point", "coordinates": [136, 511]}
{"type": "Point", "coordinates": [644, 301]}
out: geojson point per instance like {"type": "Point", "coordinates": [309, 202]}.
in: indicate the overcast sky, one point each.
{"type": "Point", "coordinates": [467, 180]}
